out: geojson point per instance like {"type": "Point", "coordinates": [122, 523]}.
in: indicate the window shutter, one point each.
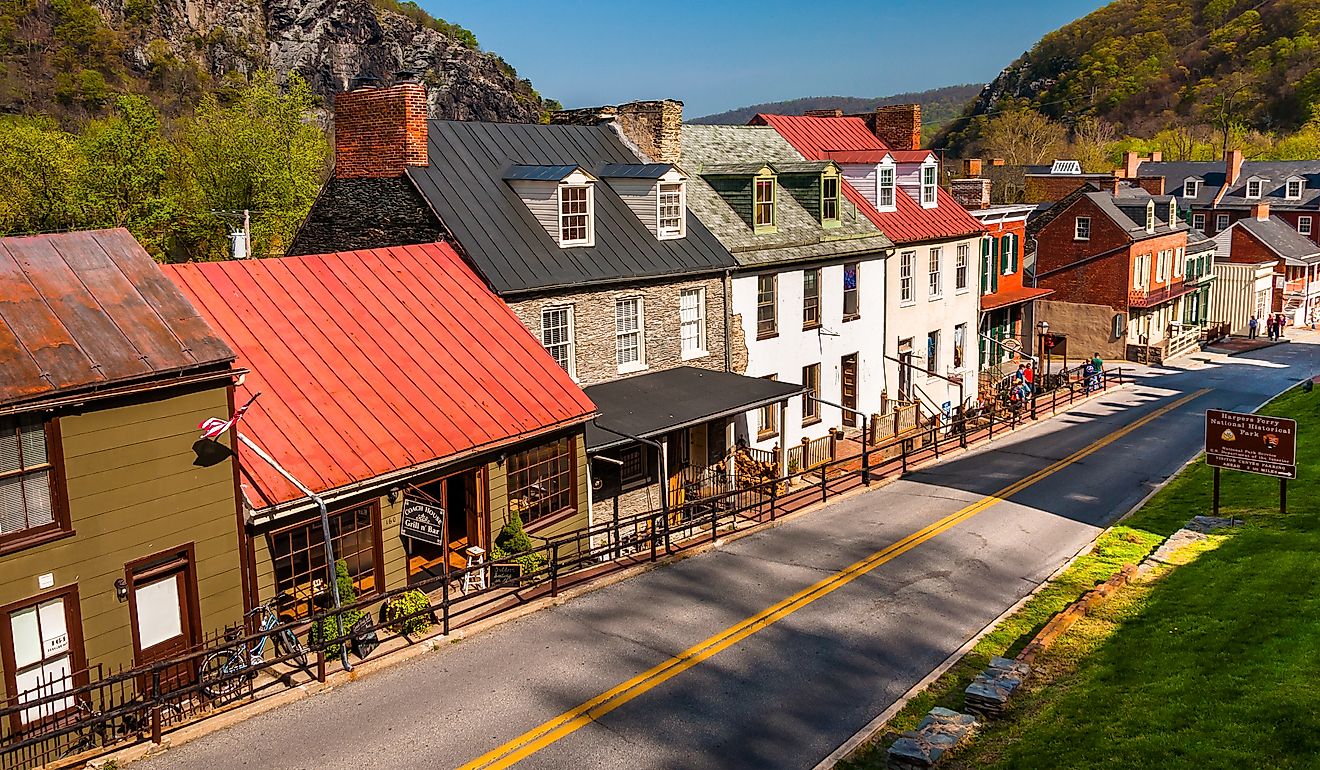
{"type": "Point", "coordinates": [1013, 251]}
{"type": "Point", "coordinates": [995, 259]}
{"type": "Point", "coordinates": [985, 265]}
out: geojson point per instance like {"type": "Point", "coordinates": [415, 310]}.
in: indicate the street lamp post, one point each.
{"type": "Point", "coordinates": [1044, 328]}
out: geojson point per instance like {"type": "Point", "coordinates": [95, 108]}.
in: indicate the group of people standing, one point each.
{"type": "Point", "coordinates": [1274, 324]}
{"type": "Point", "coordinates": [1024, 379]}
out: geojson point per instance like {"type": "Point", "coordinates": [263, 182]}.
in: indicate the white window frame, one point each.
{"type": "Point", "coordinates": [960, 271]}
{"type": "Point", "coordinates": [1221, 222]}
{"type": "Point", "coordinates": [1191, 188]}
{"type": "Point", "coordinates": [933, 353]}
{"type": "Point", "coordinates": [1150, 216]}
{"type": "Point", "coordinates": [620, 333]}
{"type": "Point", "coordinates": [667, 233]}
{"type": "Point", "coordinates": [1082, 229]}
{"type": "Point", "coordinates": [1178, 256]}
{"type": "Point", "coordinates": [589, 239]}
{"type": "Point", "coordinates": [1288, 189]}
{"type": "Point", "coordinates": [1257, 184]}
{"type": "Point", "coordinates": [1198, 222]}
{"type": "Point", "coordinates": [698, 322]}
{"type": "Point", "coordinates": [907, 267]}
{"type": "Point", "coordinates": [1141, 279]}
{"type": "Point", "coordinates": [1304, 225]}
{"type": "Point", "coordinates": [568, 344]}
{"type": "Point", "coordinates": [757, 203]}
{"type": "Point", "coordinates": [886, 190]}
{"type": "Point", "coordinates": [935, 272]}
{"type": "Point", "coordinates": [929, 186]}
{"type": "Point", "coordinates": [1173, 212]}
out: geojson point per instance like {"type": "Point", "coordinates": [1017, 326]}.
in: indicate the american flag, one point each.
{"type": "Point", "coordinates": [214, 427]}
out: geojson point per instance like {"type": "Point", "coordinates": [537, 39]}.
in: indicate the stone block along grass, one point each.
{"type": "Point", "coordinates": [1214, 664]}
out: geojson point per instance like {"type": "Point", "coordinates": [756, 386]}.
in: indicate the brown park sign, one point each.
{"type": "Point", "coordinates": [1254, 443]}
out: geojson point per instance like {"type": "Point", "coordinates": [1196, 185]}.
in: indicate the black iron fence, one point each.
{"type": "Point", "coordinates": [92, 712]}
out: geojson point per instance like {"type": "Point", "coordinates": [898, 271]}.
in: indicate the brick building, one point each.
{"type": "Point", "coordinates": [585, 233]}
{"type": "Point", "coordinates": [1117, 262]}
{"type": "Point", "coordinates": [1263, 238]}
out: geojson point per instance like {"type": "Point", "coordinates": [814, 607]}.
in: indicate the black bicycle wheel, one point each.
{"type": "Point", "coordinates": [286, 643]}
{"type": "Point", "coordinates": [221, 673]}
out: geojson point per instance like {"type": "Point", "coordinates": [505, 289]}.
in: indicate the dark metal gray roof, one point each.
{"type": "Point", "coordinates": [540, 173]}
{"type": "Point", "coordinates": [463, 184]}
{"type": "Point", "coordinates": [648, 405]}
{"type": "Point", "coordinates": [1282, 239]}
{"type": "Point", "coordinates": [635, 170]}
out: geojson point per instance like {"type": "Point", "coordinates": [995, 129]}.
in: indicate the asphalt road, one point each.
{"type": "Point", "coordinates": [789, 693]}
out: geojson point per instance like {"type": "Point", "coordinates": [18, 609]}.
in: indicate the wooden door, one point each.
{"type": "Point", "coordinates": [162, 600]}
{"type": "Point", "coordinates": [848, 388]}
{"type": "Point", "coordinates": [905, 370]}
{"type": "Point", "coordinates": [41, 647]}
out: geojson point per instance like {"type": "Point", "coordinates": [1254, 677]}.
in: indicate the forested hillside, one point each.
{"type": "Point", "coordinates": [938, 106]}
{"type": "Point", "coordinates": [1143, 66]}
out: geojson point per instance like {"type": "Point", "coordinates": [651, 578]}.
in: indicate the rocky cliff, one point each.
{"type": "Point", "coordinates": [69, 57]}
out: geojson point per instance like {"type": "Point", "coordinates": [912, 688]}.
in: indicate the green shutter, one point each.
{"type": "Point", "coordinates": [985, 265]}
{"type": "Point", "coordinates": [1013, 251]}
{"type": "Point", "coordinates": [997, 262]}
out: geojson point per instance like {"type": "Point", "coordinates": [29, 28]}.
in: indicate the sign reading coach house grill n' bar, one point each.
{"type": "Point", "coordinates": [423, 521]}
{"type": "Point", "coordinates": [1254, 443]}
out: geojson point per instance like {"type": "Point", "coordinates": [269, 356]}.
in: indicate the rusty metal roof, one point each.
{"type": "Point", "coordinates": [90, 310]}
{"type": "Point", "coordinates": [373, 362]}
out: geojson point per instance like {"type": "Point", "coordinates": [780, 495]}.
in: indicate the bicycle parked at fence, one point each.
{"type": "Point", "coordinates": [223, 671]}
{"type": "Point", "coordinates": [98, 731]}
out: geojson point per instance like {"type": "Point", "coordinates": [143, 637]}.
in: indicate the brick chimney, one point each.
{"type": "Point", "coordinates": [654, 126]}
{"type": "Point", "coordinates": [1261, 210]}
{"type": "Point", "coordinates": [1131, 161]}
{"type": "Point", "coordinates": [1232, 167]}
{"type": "Point", "coordinates": [971, 167]}
{"type": "Point", "coordinates": [1156, 156]}
{"type": "Point", "coordinates": [997, 162]}
{"type": "Point", "coordinates": [1151, 184]}
{"type": "Point", "coordinates": [834, 113]}
{"type": "Point", "coordinates": [380, 131]}
{"type": "Point", "coordinates": [898, 125]}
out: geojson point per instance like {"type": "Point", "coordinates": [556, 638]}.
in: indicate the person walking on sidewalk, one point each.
{"type": "Point", "coordinates": [1280, 321]}
{"type": "Point", "coordinates": [1098, 364]}
{"type": "Point", "coordinates": [1252, 328]}
{"type": "Point", "coordinates": [1269, 327]}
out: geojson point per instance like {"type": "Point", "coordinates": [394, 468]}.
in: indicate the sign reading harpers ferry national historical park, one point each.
{"type": "Point", "coordinates": [423, 521]}
{"type": "Point", "coordinates": [1254, 443]}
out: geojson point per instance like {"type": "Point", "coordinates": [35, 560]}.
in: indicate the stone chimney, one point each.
{"type": "Point", "coordinates": [1131, 162]}
{"type": "Point", "coordinates": [1261, 211]}
{"type": "Point", "coordinates": [654, 126]}
{"type": "Point", "coordinates": [971, 192]}
{"type": "Point", "coordinates": [1232, 167]}
{"type": "Point", "coordinates": [971, 167]}
{"type": "Point", "coordinates": [834, 113]}
{"type": "Point", "coordinates": [379, 132]}
{"type": "Point", "coordinates": [898, 125]}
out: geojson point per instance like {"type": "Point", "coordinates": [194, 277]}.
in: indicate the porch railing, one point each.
{"type": "Point", "coordinates": [812, 453]}
{"type": "Point", "coordinates": [96, 711]}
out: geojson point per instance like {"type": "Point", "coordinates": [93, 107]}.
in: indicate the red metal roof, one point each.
{"type": "Point", "coordinates": [88, 310]}
{"type": "Point", "coordinates": [376, 361]}
{"type": "Point", "coordinates": [827, 138]}
{"type": "Point", "coordinates": [1012, 296]}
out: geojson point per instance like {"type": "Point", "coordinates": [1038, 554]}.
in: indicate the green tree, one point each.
{"type": "Point", "coordinates": [41, 175]}
{"type": "Point", "coordinates": [262, 152]}
{"type": "Point", "coordinates": [128, 164]}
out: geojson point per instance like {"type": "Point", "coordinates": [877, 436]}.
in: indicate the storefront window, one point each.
{"type": "Point", "coordinates": [298, 554]}
{"type": "Point", "coordinates": [541, 480]}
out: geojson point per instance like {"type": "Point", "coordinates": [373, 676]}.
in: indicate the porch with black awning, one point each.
{"type": "Point", "coordinates": [651, 405]}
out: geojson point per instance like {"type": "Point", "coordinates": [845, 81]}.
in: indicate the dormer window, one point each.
{"type": "Point", "coordinates": [1293, 189]}
{"type": "Point", "coordinates": [670, 222]}
{"type": "Point", "coordinates": [1253, 188]}
{"type": "Point", "coordinates": [763, 203]}
{"type": "Point", "coordinates": [829, 199]}
{"type": "Point", "coordinates": [575, 215]}
{"type": "Point", "coordinates": [1191, 188]}
{"type": "Point", "coordinates": [886, 181]}
{"type": "Point", "coordinates": [928, 179]}
{"type": "Point", "coordinates": [1150, 217]}
{"type": "Point", "coordinates": [1173, 211]}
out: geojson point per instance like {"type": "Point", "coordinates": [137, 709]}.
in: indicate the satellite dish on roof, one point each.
{"type": "Point", "coordinates": [1066, 167]}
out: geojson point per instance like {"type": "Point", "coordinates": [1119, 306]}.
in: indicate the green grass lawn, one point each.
{"type": "Point", "coordinates": [1215, 665]}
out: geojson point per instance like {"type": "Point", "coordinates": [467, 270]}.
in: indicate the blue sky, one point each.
{"type": "Point", "coordinates": [720, 54]}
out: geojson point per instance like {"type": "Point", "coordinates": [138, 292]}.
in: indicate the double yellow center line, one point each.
{"type": "Point", "coordinates": [539, 737]}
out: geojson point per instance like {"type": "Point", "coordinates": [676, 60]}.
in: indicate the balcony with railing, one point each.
{"type": "Point", "coordinates": [1299, 287]}
{"type": "Point", "coordinates": [1143, 298]}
